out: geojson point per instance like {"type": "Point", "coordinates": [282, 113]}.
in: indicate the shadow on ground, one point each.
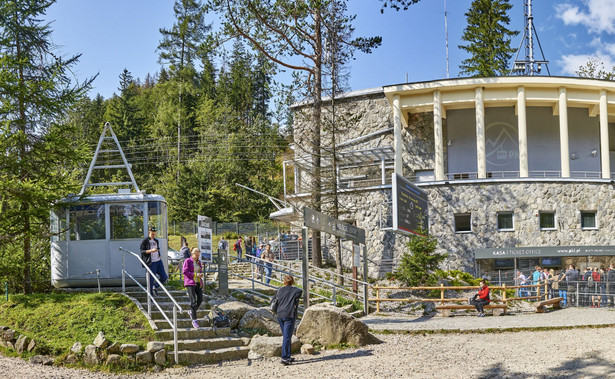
{"type": "Point", "coordinates": [594, 366]}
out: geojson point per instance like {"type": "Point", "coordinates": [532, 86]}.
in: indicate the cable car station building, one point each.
{"type": "Point", "coordinates": [517, 169]}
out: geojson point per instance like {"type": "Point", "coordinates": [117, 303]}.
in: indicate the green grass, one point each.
{"type": "Point", "coordinates": [56, 321]}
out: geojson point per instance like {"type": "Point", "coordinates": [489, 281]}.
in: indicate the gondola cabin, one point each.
{"type": "Point", "coordinates": [87, 231]}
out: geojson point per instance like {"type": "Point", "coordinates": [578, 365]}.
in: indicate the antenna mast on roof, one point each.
{"type": "Point", "coordinates": [529, 66]}
{"type": "Point", "coordinates": [446, 36]}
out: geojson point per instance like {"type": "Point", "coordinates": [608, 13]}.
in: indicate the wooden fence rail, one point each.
{"type": "Point", "coordinates": [443, 288]}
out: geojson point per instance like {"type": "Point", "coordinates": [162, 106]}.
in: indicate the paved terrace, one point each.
{"type": "Point", "coordinates": [568, 317]}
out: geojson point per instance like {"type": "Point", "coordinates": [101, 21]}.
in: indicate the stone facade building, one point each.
{"type": "Point", "coordinates": [517, 169]}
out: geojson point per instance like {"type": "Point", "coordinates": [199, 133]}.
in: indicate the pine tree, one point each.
{"type": "Point", "coordinates": [123, 113]}
{"type": "Point", "coordinates": [488, 39]}
{"type": "Point", "coordinates": [37, 142]}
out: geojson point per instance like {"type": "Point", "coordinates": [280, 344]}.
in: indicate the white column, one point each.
{"type": "Point", "coordinates": [604, 137]}
{"type": "Point", "coordinates": [397, 140]}
{"type": "Point", "coordinates": [563, 133]}
{"type": "Point", "coordinates": [437, 131]}
{"type": "Point", "coordinates": [524, 171]}
{"type": "Point", "coordinates": [481, 156]}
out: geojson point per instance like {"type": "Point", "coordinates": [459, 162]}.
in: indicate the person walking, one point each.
{"type": "Point", "coordinates": [268, 257]}
{"type": "Point", "coordinates": [238, 250]}
{"type": "Point", "coordinates": [185, 251]}
{"type": "Point", "coordinates": [572, 277]}
{"type": "Point", "coordinates": [193, 282]}
{"type": "Point", "coordinates": [285, 303]}
{"type": "Point", "coordinates": [562, 284]}
{"type": "Point", "coordinates": [610, 277]}
{"type": "Point", "coordinates": [481, 298]}
{"type": "Point", "coordinates": [150, 254]}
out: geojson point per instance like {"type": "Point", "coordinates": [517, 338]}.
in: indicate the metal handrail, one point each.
{"type": "Point", "coordinates": [334, 287]}
{"type": "Point", "coordinates": [150, 298]}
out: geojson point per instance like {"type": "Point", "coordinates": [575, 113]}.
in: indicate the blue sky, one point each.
{"type": "Point", "coordinates": [115, 34]}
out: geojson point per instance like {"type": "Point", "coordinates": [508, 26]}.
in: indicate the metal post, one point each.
{"type": "Point", "coordinates": [175, 333]}
{"type": "Point", "coordinates": [365, 298]}
{"type": "Point", "coordinates": [334, 297]}
{"type": "Point", "coordinates": [98, 278]}
{"type": "Point", "coordinates": [499, 277]}
{"type": "Point", "coordinates": [149, 295]}
{"type": "Point", "coordinates": [577, 304]}
{"type": "Point", "coordinates": [304, 267]}
{"type": "Point", "coordinates": [123, 271]}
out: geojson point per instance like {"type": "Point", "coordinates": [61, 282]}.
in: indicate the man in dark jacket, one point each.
{"type": "Point", "coordinates": [185, 251]}
{"type": "Point", "coordinates": [150, 253]}
{"type": "Point", "coordinates": [285, 304]}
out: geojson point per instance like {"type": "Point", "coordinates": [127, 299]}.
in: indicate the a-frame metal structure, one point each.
{"type": "Point", "coordinates": [108, 135]}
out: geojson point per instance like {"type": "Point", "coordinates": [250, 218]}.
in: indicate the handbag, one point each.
{"type": "Point", "coordinates": [274, 305]}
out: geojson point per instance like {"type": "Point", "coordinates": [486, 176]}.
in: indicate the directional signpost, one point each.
{"type": "Point", "coordinates": [321, 222]}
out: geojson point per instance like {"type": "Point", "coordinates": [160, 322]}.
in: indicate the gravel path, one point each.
{"type": "Point", "coordinates": [468, 321]}
{"type": "Point", "coordinates": [510, 354]}
{"type": "Point", "coordinates": [524, 354]}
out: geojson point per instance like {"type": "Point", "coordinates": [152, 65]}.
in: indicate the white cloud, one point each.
{"type": "Point", "coordinates": [597, 15]}
{"type": "Point", "coordinates": [570, 63]}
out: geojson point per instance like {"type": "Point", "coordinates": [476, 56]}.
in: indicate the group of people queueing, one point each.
{"type": "Point", "coordinates": [595, 285]}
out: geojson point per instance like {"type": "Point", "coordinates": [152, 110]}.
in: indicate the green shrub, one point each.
{"type": "Point", "coordinates": [419, 266]}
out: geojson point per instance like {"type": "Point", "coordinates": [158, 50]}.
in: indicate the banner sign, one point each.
{"type": "Point", "coordinates": [204, 236]}
{"type": "Point", "coordinates": [544, 251]}
{"type": "Point", "coordinates": [319, 221]}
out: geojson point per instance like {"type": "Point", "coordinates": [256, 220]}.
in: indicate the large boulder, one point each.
{"type": "Point", "coordinates": [235, 310]}
{"type": "Point", "coordinates": [22, 344]}
{"type": "Point", "coordinates": [261, 318]}
{"type": "Point", "coordinates": [271, 346]}
{"type": "Point", "coordinates": [128, 348]}
{"type": "Point", "coordinates": [77, 348]}
{"type": "Point", "coordinates": [90, 357]}
{"type": "Point", "coordinates": [101, 341]}
{"type": "Point", "coordinates": [329, 325]}
{"type": "Point", "coordinates": [154, 346]}
{"type": "Point", "coordinates": [144, 357]}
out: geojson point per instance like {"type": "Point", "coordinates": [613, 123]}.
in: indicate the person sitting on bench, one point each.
{"type": "Point", "coordinates": [481, 298]}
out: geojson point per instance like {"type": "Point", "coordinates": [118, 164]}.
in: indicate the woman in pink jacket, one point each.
{"type": "Point", "coordinates": [193, 281]}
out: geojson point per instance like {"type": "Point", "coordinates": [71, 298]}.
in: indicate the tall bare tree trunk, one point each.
{"type": "Point", "coordinates": [316, 182]}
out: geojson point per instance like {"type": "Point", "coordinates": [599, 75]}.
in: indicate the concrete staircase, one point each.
{"type": "Point", "coordinates": [203, 345]}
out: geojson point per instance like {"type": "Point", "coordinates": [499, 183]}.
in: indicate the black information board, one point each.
{"type": "Point", "coordinates": [409, 206]}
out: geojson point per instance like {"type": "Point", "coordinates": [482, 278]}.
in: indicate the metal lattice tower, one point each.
{"type": "Point", "coordinates": [529, 66]}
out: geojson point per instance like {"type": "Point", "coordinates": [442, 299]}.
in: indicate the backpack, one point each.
{"type": "Point", "coordinates": [218, 319]}
{"type": "Point", "coordinates": [590, 278]}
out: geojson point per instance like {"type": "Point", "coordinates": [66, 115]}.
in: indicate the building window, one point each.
{"type": "Point", "coordinates": [461, 176]}
{"type": "Point", "coordinates": [505, 222]}
{"type": "Point", "coordinates": [547, 220]}
{"type": "Point", "coordinates": [588, 220]}
{"type": "Point", "coordinates": [463, 223]}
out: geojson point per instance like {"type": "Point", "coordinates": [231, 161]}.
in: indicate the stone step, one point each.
{"type": "Point", "coordinates": [210, 356]}
{"type": "Point", "coordinates": [207, 344]}
{"type": "Point", "coordinates": [184, 322]}
{"type": "Point", "coordinates": [190, 333]}
{"type": "Point", "coordinates": [200, 314]}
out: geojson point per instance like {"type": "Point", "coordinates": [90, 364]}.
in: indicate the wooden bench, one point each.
{"type": "Point", "coordinates": [498, 309]}
{"type": "Point", "coordinates": [541, 306]}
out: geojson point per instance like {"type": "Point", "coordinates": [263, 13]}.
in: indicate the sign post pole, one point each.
{"type": "Point", "coordinates": [223, 271]}
{"type": "Point", "coordinates": [304, 267]}
{"type": "Point", "coordinates": [365, 290]}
